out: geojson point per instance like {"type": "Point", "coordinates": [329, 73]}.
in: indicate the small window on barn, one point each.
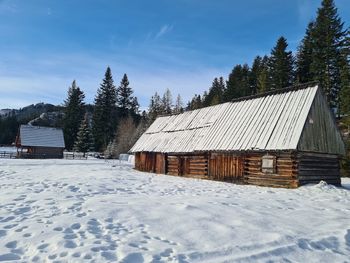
{"type": "Point", "coordinates": [268, 164]}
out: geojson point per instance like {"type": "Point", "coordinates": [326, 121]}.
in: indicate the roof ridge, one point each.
{"type": "Point", "coordinates": [279, 91]}
{"type": "Point", "coordinates": [294, 87]}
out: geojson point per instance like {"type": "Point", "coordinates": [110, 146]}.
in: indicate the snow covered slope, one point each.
{"type": "Point", "coordinates": [97, 211]}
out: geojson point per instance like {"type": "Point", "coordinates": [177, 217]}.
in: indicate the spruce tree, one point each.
{"type": "Point", "coordinates": [125, 99]}
{"type": "Point", "coordinates": [84, 141]}
{"type": "Point", "coordinates": [73, 114]}
{"type": "Point", "coordinates": [155, 107]}
{"type": "Point", "coordinates": [344, 101]}
{"type": "Point", "coordinates": [215, 94]}
{"type": "Point", "coordinates": [304, 57]}
{"type": "Point", "coordinates": [237, 84]}
{"type": "Point", "coordinates": [105, 118]}
{"type": "Point", "coordinates": [167, 102]}
{"type": "Point", "coordinates": [328, 38]}
{"type": "Point", "coordinates": [195, 103]}
{"type": "Point", "coordinates": [281, 65]}
{"type": "Point", "coordinates": [254, 74]}
{"type": "Point", "coordinates": [179, 107]}
{"type": "Point", "coordinates": [259, 77]}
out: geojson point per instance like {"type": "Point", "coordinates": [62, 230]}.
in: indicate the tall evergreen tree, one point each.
{"type": "Point", "coordinates": [73, 114]}
{"type": "Point", "coordinates": [125, 99]}
{"type": "Point", "coordinates": [155, 107]}
{"type": "Point", "coordinates": [167, 102]}
{"type": "Point", "coordinates": [304, 56]}
{"type": "Point", "coordinates": [84, 141]}
{"type": "Point", "coordinates": [215, 94]}
{"type": "Point", "coordinates": [237, 84]}
{"type": "Point", "coordinates": [105, 118]}
{"type": "Point", "coordinates": [263, 78]}
{"type": "Point", "coordinates": [328, 38]}
{"type": "Point", "coordinates": [178, 108]}
{"type": "Point", "coordinates": [254, 74]}
{"type": "Point", "coordinates": [344, 100]}
{"type": "Point", "coordinates": [281, 65]}
{"type": "Point", "coordinates": [195, 103]}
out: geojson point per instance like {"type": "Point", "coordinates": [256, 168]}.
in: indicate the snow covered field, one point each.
{"type": "Point", "coordinates": [97, 211]}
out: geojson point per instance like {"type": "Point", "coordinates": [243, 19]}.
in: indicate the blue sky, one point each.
{"type": "Point", "coordinates": [177, 44]}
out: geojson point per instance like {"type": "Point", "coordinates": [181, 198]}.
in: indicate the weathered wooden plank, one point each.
{"type": "Point", "coordinates": [322, 177]}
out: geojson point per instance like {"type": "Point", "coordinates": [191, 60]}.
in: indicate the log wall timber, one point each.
{"type": "Point", "coordinates": [150, 162]}
{"type": "Point", "coordinates": [285, 175]}
{"type": "Point", "coordinates": [226, 167]}
{"type": "Point", "coordinates": [159, 166]}
{"type": "Point", "coordinates": [173, 165]}
{"type": "Point", "coordinates": [144, 161]}
{"type": "Point", "coordinates": [187, 165]}
{"type": "Point", "coordinates": [315, 167]}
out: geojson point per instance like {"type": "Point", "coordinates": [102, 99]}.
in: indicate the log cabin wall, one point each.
{"type": "Point", "coordinates": [284, 173]}
{"type": "Point", "coordinates": [160, 163]}
{"type": "Point", "coordinates": [196, 165]}
{"type": "Point", "coordinates": [173, 165]}
{"type": "Point", "coordinates": [150, 162]}
{"type": "Point", "coordinates": [187, 165]}
{"type": "Point", "coordinates": [226, 167]}
{"type": "Point", "coordinates": [314, 167]}
{"type": "Point", "coordinates": [290, 169]}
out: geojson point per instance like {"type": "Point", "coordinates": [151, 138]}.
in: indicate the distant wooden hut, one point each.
{"type": "Point", "coordinates": [39, 142]}
{"type": "Point", "coordinates": [285, 138]}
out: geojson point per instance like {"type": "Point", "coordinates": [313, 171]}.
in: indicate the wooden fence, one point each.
{"type": "Point", "coordinates": [8, 155]}
{"type": "Point", "coordinates": [75, 156]}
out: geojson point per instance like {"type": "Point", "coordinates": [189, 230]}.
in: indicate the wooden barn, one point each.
{"type": "Point", "coordinates": [39, 142]}
{"type": "Point", "coordinates": [285, 138]}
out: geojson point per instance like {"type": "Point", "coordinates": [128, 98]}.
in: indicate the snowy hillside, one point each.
{"type": "Point", "coordinates": [97, 211]}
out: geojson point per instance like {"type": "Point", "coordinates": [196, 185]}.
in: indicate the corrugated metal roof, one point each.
{"type": "Point", "coordinates": [271, 122]}
{"type": "Point", "coordinates": [41, 136]}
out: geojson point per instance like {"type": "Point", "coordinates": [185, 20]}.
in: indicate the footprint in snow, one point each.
{"type": "Point", "coordinates": [11, 245]}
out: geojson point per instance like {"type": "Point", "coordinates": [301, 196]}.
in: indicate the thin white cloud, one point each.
{"type": "Point", "coordinates": [163, 30]}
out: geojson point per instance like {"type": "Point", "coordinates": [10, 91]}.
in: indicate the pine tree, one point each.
{"type": "Point", "coordinates": [215, 94]}
{"type": "Point", "coordinates": [304, 57]}
{"type": "Point", "coordinates": [195, 103]}
{"type": "Point", "coordinates": [344, 100]}
{"type": "Point", "coordinates": [281, 65]}
{"type": "Point", "coordinates": [84, 141]}
{"type": "Point", "coordinates": [105, 117]}
{"type": "Point", "coordinates": [125, 99]}
{"type": "Point", "coordinates": [328, 39]}
{"type": "Point", "coordinates": [155, 107]}
{"type": "Point", "coordinates": [254, 73]}
{"type": "Point", "coordinates": [73, 114]}
{"type": "Point", "coordinates": [178, 105]}
{"type": "Point", "coordinates": [263, 78]}
{"type": "Point", "coordinates": [167, 102]}
{"type": "Point", "coordinates": [237, 84]}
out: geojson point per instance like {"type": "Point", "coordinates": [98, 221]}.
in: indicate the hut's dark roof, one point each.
{"type": "Point", "coordinates": [37, 136]}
